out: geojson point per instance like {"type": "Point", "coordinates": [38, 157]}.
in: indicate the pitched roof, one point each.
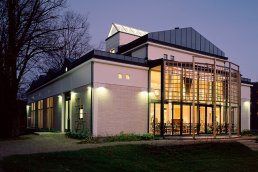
{"type": "Point", "coordinates": [185, 38]}
{"type": "Point", "coordinates": [125, 29]}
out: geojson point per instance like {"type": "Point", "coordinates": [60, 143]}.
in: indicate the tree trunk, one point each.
{"type": "Point", "coordinates": [9, 122]}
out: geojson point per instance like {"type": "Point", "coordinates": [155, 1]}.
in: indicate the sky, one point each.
{"type": "Point", "coordinates": [232, 25]}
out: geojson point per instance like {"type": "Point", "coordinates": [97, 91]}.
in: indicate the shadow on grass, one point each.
{"type": "Point", "coordinates": [198, 157]}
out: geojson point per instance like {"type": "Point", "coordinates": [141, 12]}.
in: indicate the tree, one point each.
{"type": "Point", "coordinates": [70, 41]}
{"type": "Point", "coordinates": [73, 41]}
{"type": "Point", "coordinates": [27, 29]}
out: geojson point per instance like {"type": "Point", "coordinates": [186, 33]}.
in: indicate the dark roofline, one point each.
{"type": "Point", "coordinates": [97, 54]}
{"type": "Point", "coordinates": [145, 39]}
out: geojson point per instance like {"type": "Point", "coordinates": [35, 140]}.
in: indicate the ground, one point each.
{"type": "Point", "coordinates": [58, 142]}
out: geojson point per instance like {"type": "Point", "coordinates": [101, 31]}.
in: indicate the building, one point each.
{"type": "Point", "coordinates": [254, 106]}
{"type": "Point", "coordinates": [172, 82]}
{"type": "Point", "coordinates": [246, 86]}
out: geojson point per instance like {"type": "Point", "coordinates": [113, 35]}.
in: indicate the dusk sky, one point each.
{"type": "Point", "coordinates": [232, 25]}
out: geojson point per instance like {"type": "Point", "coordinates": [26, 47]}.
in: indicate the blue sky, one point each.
{"type": "Point", "coordinates": [232, 25]}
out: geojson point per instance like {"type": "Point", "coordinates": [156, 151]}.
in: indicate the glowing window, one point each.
{"type": "Point", "coordinates": [127, 77]}
{"type": "Point", "coordinates": [120, 76]}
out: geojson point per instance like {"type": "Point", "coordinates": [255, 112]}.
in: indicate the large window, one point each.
{"type": "Point", "coordinates": [33, 110]}
{"type": "Point", "coordinates": [40, 114]}
{"type": "Point", "coordinates": [213, 87]}
{"type": "Point", "coordinates": [50, 112]}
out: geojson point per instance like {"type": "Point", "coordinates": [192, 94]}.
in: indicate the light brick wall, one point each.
{"type": "Point", "coordinates": [119, 109]}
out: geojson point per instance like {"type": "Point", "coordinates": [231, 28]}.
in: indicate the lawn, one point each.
{"type": "Point", "coordinates": [199, 157]}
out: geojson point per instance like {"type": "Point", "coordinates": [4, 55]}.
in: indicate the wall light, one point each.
{"type": "Point", "coordinates": [127, 76]}
{"type": "Point", "coordinates": [81, 113]}
{"type": "Point", "coordinates": [119, 76]}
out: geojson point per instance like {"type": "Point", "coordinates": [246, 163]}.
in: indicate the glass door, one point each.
{"type": "Point", "coordinates": [202, 122]}
{"type": "Point", "coordinates": [176, 119]}
{"type": "Point", "coordinates": [186, 119]}
{"type": "Point", "coordinates": [209, 120]}
{"type": "Point", "coordinates": [154, 123]}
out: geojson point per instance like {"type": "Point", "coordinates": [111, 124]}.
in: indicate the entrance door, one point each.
{"type": "Point", "coordinates": [154, 123]}
{"type": "Point", "coordinates": [209, 120]}
{"type": "Point", "coordinates": [176, 119]}
{"type": "Point", "coordinates": [186, 119]}
{"type": "Point", "coordinates": [202, 122]}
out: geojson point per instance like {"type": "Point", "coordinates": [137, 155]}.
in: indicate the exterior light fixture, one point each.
{"type": "Point", "coordinates": [127, 76]}
{"type": "Point", "coordinates": [66, 69]}
{"type": "Point", "coordinates": [81, 113]}
{"type": "Point", "coordinates": [120, 76]}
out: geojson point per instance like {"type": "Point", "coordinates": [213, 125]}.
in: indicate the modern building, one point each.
{"type": "Point", "coordinates": [172, 82]}
{"type": "Point", "coordinates": [254, 106]}
{"type": "Point", "coordinates": [246, 86]}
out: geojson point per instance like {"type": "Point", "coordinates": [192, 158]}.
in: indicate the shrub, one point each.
{"type": "Point", "coordinates": [84, 135]}
{"type": "Point", "coordinates": [248, 133]}
{"type": "Point", "coordinates": [130, 137]}
{"type": "Point", "coordinates": [147, 136]}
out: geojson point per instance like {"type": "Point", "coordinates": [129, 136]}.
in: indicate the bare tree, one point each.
{"type": "Point", "coordinates": [27, 30]}
{"type": "Point", "coordinates": [73, 41]}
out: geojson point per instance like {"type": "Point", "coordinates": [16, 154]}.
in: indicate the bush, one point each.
{"type": "Point", "coordinates": [248, 133]}
{"type": "Point", "coordinates": [147, 136]}
{"type": "Point", "coordinates": [130, 137]}
{"type": "Point", "coordinates": [84, 135]}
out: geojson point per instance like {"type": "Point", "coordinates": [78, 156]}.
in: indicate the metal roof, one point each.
{"type": "Point", "coordinates": [125, 29]}
{"type": "Point", "coordinates": [188, 38]}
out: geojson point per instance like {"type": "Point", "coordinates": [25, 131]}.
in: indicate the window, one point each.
{"type": "Point", "coordinates": [165, 56]}
{"type": "Point", "coordinates": [40, 114]}
{"type": "Point", "coordinates": [120, 76]}
{"type": "Point", "coordinates": [112, 50]}
{"type": "Point", "coordinates": [127, 76]}
{"type": "Point", "coordinates": [50, 112]}
{"type": "Point", "coordinates": [32, 119]}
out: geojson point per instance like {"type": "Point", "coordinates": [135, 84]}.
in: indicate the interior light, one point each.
{"type": "Point", "coordinates": [156, 93]}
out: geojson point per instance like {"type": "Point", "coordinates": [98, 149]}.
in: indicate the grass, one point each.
{"type": "Point", "coordinates": [199, 157]}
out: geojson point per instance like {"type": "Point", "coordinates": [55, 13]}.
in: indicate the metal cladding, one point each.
{"type": "Point", "coordinates": [188, 38]}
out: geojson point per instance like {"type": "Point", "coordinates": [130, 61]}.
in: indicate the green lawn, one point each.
{"type": "Point", "coordinates": [198, 157]}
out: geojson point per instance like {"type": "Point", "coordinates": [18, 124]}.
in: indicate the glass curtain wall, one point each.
{"type": "Point", "coordinates": [210, 111]}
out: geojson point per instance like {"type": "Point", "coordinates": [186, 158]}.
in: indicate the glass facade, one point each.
{"type": "Point", "coordinates": [196, 97]}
